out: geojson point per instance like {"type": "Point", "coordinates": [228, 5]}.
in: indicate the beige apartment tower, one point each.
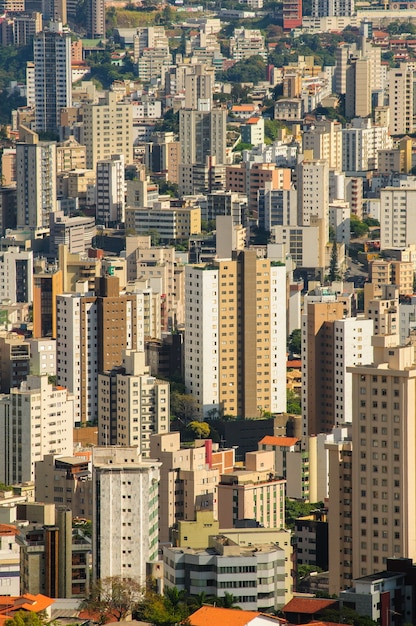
{"type": "Point", "coordinates": [384, 471]}
{"type": "Point", "coordinates": [318, 398]}
{"type": "Point", "coordinates": [107, 130]}
{"type": "Point", "coordinates": [235, 350]}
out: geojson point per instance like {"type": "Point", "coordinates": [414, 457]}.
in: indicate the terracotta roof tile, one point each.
{"type": "Point", "coordinates": [279, 441]}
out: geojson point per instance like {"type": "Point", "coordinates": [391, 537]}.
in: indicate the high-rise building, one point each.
{"type": "Point", "coordinates": [401, 83]}
{"type": "Point", "coordinates": [14, 360]}
{"type": "Point", "coordinates": [292, 14]}
{"type": "Point", "coordinates": [202, 136]}
{"type": "Point", "coordinates": [53, 77]}
{"type": "Point", "coordinates": [36, 419]}
{"type": "Point", "coordinates": [125, 521]}
{"type": "Point", "coordinates": [383, 474]}
{"type": "Point", "coordinates": [132, 404]}
{"type": "Point", "coordinates": [188, 479]}
{"type": "Point", "coordinates": [93, 331]}
{"type": "Point", "coordinates": [47, 285]}
{"type": "Point", "coordinates": [54, 558]}
{"type": "Point", "coordinates": [110, 189]}
{"type": "Point", "coordinates": [107, 129]}
{"type": "Point", "coordinates": [324, 138]}
{"type": "Point", "coordinates": [16, 282]}
{"type": "Point", "coordinates": [397, 216]}
{"type": "Point", "coordinates": [352, 346]}
{"type": "Point", "coordinates": [313, 192]}
{"type": "Point", "coordinates": [358, 88]}
{"type": "Point", "coordinates": [36, 181]}
{"type": "Point", "coordinates": [361, 142]}
{"type": "Point", "coordinates": [235, 347]}
{"type": "Point", "coordinates": [318, 365]}
{"type": "Point", "coordinates": [96, 18]}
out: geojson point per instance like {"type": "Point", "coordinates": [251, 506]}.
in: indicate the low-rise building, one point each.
{"type": "Point", "coordinates": [254, 575]}
{"type": "Point", "coordinates": [170, 223]}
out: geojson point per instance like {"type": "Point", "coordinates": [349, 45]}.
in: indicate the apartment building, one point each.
{"type": "Point", "coordinates": [9, 559]}
{"type": "Point", "coordinates": [392, 272]}
{"type": "Point", "coordinates": [125, 520]}
{"type": "Point", "coordinates": [86, 343]}
{"type": "Point", "coordinates": [324, 139]}
{"type": "Point", "coordinates": [234, 350]}
{"type": "Point", "coordinates": [340, 525]}
{"type": "Point", "coordinates": [318, 365]}
{"type": "Point", "coordinates": [360, 145]}
{"type": "Point", "coordinates": [66, 481]}
{"type": "Point", "coordinates": [107, 129]}
{"type": "Point", "coordinates": [383, 444]}
{"type": "Point", "coordinates": [16, 270]}
{"type": "Point", "coordinates": [53, 79]}
{"type": "Point", "coordinates": [54, 558]}
{"type": "Point", "coordinates": [171, 223]}
{"type": "Point", "coordinates": [401, 82]}
{"type": "Point", "coordinates": [254, 574]}
{"type": "Point", "coordinates": [36, 180]}
{"type": "Point", "coordinates": [253, 492]}
{"type": "Point", "coordinates": [74, 232]}
{"type": "Point", "coordinates": [36, 419]}
{"type": "Point", "coordinates": [246, 43]}
{"type": "Point", "coordinates": [132, 404]}
{"type": "Point", "coordinates": [14, 360]}
{"type": "Point", "coordinates": [188, 479]}
{"type": "Point", "coordinates": [313, 196]}
{"type": "Point", "coordinates": [397, 214]}
{"type": "Point", "coordinates": [70, 155]}
{"type": "Point", "coordinates": [110, 191]}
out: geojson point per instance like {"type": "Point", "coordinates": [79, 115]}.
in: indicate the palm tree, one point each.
{"type": "Point", "coordinates": [228, 601]}
{"type": "Point", "coordinates": [174, 596]}
{"type": "Point", "coordinates": [195, 602]}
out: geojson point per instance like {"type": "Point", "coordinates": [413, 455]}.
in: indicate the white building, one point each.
{"type": "Point", "coordinates": [125, 521]}
{"type": "Point", "coordinates": [43, 356]}
{"type": "Point", "coordinates": [132, 404]}
{"type": "Point", "coordinates": [35, 420]}
{"type": "Point", "coordinates": [401, 83]}
{"type": "Point", "coordinates": [360, 145]}
{"type": "Point", "coordinates": [339, 220]}
{"type": "Point", "coordinates": [16, 275]}
{"type": "Point", "coordinates": [221, 317]}
{"type": "Point", "coordinates": [53, 77]}
{"type": "Point", "coordinates": [253, 574]}
{"type": "Point", "coordinates": [352, 346]}
{"type": "Point", "coordinates": [313, 191]}
{"type": "Point", "coordinates": [247, 43]}
{"type": "Point", "coordinates": [36, 181]}
{"type": "Point", "coordinates": [110, 190]}
{"type": "Point", "coordinates": [397, 217]}
{"type": "Point", "coordinates": [9, 560]}
{"type": "Point", "coordinates": [80, 338]}
{"type": "Point", "coordinates": [407, 319]}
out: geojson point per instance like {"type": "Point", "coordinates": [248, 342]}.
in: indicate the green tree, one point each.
{"type": "Point", "coordinates": [293, 404]}
{"type": "Point", "coordinates": [27, 618]}
{"type": "Point", "coordinates": [183, 406]}
{"type": "Point", "coordinates": [251, 70]}
{"type": "Point", "coordinates": [200, 430]}
{"type": "Point", "coordinates": [195, 602]}
{"type": "Point", "coordinates": [114, 597]}
{"type": "Point", "coordinates": [295, 341]}
{"type": "Point", "coordinates": [296, 508]}
{"type": "Point", "coordinates": [161, 611]}
{"type": "Point", "coordinates": [333, 266]}
{"type": "Point", "coordinates": [228, 601]}
{"type": "Point", "coordinates": [345, 615]}
{"type": "Point", "coordinates": [358, 228]}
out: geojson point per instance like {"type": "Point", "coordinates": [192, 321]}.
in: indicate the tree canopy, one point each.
{"type": "Point", "coordinates": [251, 70]}
{"type": "Point", "coordinates": [115, 597]}
{"type": "Point", "coordinates": [26, 618]}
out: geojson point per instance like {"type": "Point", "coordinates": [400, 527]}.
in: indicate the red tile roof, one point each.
{"type": "Point", "coordinates": [286, 442]}
{"type": "Point", "coordinates": [308, 606]}
{"type": "Point", "coordinates": [209, 615]}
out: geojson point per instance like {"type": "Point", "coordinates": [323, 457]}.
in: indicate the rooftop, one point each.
{"type": "Point", "coordinates": [284, 442]}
